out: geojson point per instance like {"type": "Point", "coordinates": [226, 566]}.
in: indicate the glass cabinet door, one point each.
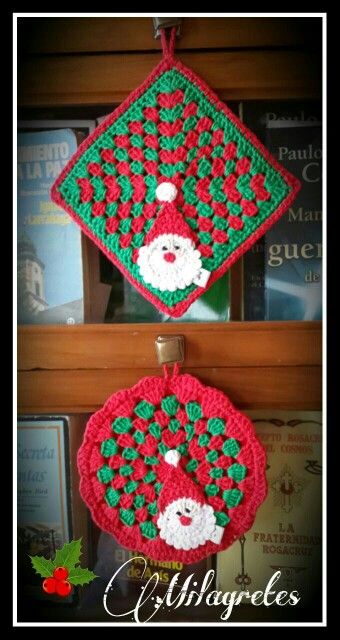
{"type": "Point", "coordinates": [85, 332]}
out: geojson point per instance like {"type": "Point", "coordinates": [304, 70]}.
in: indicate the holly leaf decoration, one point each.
{"type": "Point", "coordinates": [81, 576]}
{"type": "Point", "coordinates": [42, 566]}
{"type": "Point", "coordinates": [68, 556]}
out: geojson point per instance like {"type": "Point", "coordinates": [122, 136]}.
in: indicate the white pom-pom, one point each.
{"type": "Point", "coordinates": [166, 192]}
{"type": "Point", "coordinates": [172, 457]}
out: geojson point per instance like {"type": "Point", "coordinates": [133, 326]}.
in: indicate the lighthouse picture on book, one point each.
{"type": "Point", "coordinates": [49, 264]}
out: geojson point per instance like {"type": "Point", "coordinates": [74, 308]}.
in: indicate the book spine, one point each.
{"type": "Point", "coordinates": [253, 283]}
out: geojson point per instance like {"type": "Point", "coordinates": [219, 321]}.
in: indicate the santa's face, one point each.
{"type": "Point", "coordinates": [169, 262]}
{"type": "Point", "coordinates": [186, 524]}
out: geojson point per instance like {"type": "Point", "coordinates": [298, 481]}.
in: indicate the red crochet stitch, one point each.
{"type": "Point", "coordinates": [171, 469]}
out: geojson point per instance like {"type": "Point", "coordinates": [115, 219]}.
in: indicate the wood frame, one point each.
{"type": "Point", "coordinates": [75, 368]}
{"type": "Point", "coordinates": [73, 35]}
{"type": "Point", "coordinates": [240, 58]}
{"type": "Point", "coordinates": [90, 79]}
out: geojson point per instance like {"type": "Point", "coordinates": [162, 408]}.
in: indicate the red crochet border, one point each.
{"type": "Point", "coordinates": [167, 63]}
{"type": "Point", "coordinates": [155, 387]}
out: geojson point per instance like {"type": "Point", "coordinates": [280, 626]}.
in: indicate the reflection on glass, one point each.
{"type": "Point", "coordinates": [125, 304]}
{"type": "Point", "coordinates": [283, 271]}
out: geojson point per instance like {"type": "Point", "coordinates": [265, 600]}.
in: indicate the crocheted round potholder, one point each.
{"type": "Point", "coordinates": [171, 469]}
{"type": "Point", "coordinates": [173, 187]}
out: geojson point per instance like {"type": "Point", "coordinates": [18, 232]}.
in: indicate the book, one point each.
{"type": "Point", "coordinates": [253, 282]}
{"type": "Point", "coordinates": [82, 128]}
{"type": "Point", "coordinates": [49, 251]}
{"type": "Point", "coordinates": [287, 533]}
{"type": "Point", "coordinates": [134, 571]}
{"type": "Point", "coordinates": [43, 495]}
{"type": "Point", "coordinates": [293, 246]}
{"type": "Point", "coordinates": [283, 271]}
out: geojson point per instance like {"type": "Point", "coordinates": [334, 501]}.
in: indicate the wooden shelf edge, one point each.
{"type": "Point", "coordinates": [108, 34]}
{"type": "Point", "coordinates": [270, 325]}
{"type": "Point", "coordinates": [250, 344]}
{"type": "Point", "coordinates": [85, 391]}
{"type": "Point", "coordinates": [236, 75]}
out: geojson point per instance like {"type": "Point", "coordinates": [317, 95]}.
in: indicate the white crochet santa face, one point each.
{"type": "Point", "coordinates": [169, 262]}
{"type": "Point", "coordinates": [187, 524]}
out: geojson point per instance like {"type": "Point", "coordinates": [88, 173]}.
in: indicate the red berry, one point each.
{"type": "Point", "coordinates": [63, 588]}
{"type": "Point", "coordinates": [49, 585]}
{"type": "Point", "coordinates": [60, 573]}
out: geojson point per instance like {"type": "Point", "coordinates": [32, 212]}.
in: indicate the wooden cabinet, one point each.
{"type": "Point", "coordinates": [68, 67]}
{"type": "Point", "coordinates": [70, 62]}
{"type": "Point", "coordinates": [88, 61]}
{"type": "Point", "coordinates": [274, 365]}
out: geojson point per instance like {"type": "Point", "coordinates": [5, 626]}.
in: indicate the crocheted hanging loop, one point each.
{"type": "Point", "coordinates": [172, 187]}
{"type": "Point", "coordinates": [171, 469]}
{"type": "Point", "coordinates": [168, 45]}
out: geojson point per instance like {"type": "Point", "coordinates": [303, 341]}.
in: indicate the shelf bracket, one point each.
{"type": "Point", "coordinates": [170, 349]}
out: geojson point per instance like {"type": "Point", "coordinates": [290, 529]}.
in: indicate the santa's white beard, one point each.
{"type": "Point", "coordinates": [169, 276]}
{"type": "Point", "coordinates": [202, 528]}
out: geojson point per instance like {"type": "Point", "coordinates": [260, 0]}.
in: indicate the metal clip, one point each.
{"type": "Point", "coordinates": [164, 23]}
{"type": "Point", "coordinates": [170, 349]}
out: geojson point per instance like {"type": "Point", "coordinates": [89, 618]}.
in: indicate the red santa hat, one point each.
{"type": "Point", "coordinates": [178, 484]}
{"type": "Point", "coordinates": [169, 220]}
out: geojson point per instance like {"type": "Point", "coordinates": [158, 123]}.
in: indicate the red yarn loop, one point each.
{"type": "Point", "coordinates": [168, 44]}
{"type": "Point", "coordinates": [175, 371]}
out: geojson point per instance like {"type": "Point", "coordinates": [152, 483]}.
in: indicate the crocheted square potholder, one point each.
{"type": "Point", "coordinates": [172, 187]}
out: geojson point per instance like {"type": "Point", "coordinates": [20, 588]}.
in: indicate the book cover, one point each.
{"type": "Point", "coordinates": [286, 535]}
{"type": "Point", "coordinates": [134, 571]}
{"type": "Point", "coordinates": [290, 290]}
{"type": "Point", "coordinates": [293, 246]}
{"type": "Point", "coordinates": [50, 270]}
{"type": "Point", "coordinates": [43, 495]}
{"type": "Point", "coordinates": [82, 128]}
{"type": "Point", "coordinates": [253, 282]}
